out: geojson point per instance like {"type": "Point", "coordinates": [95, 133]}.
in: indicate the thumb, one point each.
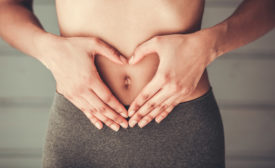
{"type": "Point", "coordinates": [109, 52]}
{"type": "Point", "coordinates": [141, 51]}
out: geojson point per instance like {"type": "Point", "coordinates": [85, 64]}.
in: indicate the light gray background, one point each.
{"type": "Point", "coordinates": [242, 81]}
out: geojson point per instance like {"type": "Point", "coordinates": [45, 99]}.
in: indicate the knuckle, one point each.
{"type": "Point", "coordinates": [145, 96]}
{"type": "Point", "coordinates": [78, 91]}
{"type": "Point", "coordinates": [151, 104]}
{"type": "Point", "coordinates": [138, 115]}
{"type": "Point", "coordinates": [163, 106]}
{"type": "Point", "coordinates": [176, 86]}
{"type": "Point", "coordinates": [93, 110]}
{"type": "Point", "coordinates": [108, 122]}
{"type": "Point", "coordinates": [161, 78]}
{"type": "Point", "coordinates": [102, 109]}
{"type": "Point", "coordinates": [137, 106]}
{"type": "Point", "coordinates": [167, 77]}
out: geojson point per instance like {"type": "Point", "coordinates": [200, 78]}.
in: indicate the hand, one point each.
{"type": "Point", "coordinates": [71, 61]}
{"type": "Point", "coordinates": [183, 59]}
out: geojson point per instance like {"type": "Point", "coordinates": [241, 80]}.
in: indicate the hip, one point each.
{"type": "Point", "coordinates": [191, 135]}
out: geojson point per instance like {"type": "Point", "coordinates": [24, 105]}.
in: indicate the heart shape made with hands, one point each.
{"type": "Point", "coordinates": [139, 74]}
{"type": "Point", "coordinates": [162, 82]}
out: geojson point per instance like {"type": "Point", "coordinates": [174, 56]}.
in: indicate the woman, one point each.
{"type": "Point", "coordinates": [98, 82]}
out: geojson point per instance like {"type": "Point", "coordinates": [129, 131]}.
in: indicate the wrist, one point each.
{"type": "Point", "coordinates": [44, 43]}
{"type": "Point", "coordinates": [210, 37]}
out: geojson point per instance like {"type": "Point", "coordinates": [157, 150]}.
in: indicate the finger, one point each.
{"type": "Point", "coordinates": [93, 119]}
{"type": "Point", "coordinates": [151, 104]}
{"type": "Point", "coordinates": [149, 117]}
{"type": "Point", "coordinates": [104, 93]}
{"type": "Point", "coordinates": [164, 113]}
{"type": "Point", "coordinates": [142, 50]}
{"type": "Point", "coordinates": [103, 109]}
{"type": "Point", "coordinates": [94, 111]}
{"type": "Point", "coordinates": [164, 99]}
{"type": "Point", "coordinates": [108, 122]}
{"type": "Point", "coordinates": [155, 112]}
{"type": "Point", "coordinates": [173, 101]}
{"type": "Point", "coordinates": [109, 52]}
{"type": "Point", "coordinates": [82, 105]}
{"type": "Point", "coordinates": [147, 92]}
{"type": "Point", "coordinates": [152, 115]}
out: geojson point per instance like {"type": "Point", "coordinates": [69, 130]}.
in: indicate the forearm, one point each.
{"type": "Point", "coordinates": [251, 20]}
{"type": "Point", "coordinates": [21, 29]}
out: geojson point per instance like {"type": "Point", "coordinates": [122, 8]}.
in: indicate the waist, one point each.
{"type": "Point", "coordinates": [127, 81]}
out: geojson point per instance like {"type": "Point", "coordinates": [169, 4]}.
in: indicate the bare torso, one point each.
{"type": "Point", "coordinates": [124, 24]}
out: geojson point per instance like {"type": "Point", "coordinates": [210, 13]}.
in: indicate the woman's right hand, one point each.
{"type": "Point", "coordinates": [71, 61]}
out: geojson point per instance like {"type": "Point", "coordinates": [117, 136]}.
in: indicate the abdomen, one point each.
{"type": "Point", "coordinates": [124, 25]}
{"type": "Point", "coordinates": [126, 81]}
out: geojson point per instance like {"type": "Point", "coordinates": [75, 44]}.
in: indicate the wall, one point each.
{"type": "Point", "coordinates": [242, 81]}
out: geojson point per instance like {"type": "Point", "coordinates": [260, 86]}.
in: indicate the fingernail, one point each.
{"type": "Point", "coordinates": [123, 59]}
{"type": "Point", "coordinates": [124, 115]}
{"type": "Point", "coordinates": [132, 123]}
{"type": "Point", "coordinates": [131, 113]}
{"type": "Point", "coordinates": [131, 60]}
{"type": "Point", "coordinates": [98, 125]}
{"type": "Point", "coordinates": [115, 127]}
{"type": "Point", "coordinates": [142, 123]}
{"type": "Point", "coordinates": [124, 125]}
{"type": "Point", "coordinates": [158, 120]}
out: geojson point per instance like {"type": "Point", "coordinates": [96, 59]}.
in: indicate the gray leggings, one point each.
{"type": "Point", "coordinates": [191, 136]}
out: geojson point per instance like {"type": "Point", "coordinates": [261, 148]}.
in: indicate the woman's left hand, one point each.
{"type": "Point", "coordinates": [182, 61]}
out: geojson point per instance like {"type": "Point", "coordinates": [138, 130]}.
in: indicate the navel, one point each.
{"type": "Point", "coordinates": [127, 82]}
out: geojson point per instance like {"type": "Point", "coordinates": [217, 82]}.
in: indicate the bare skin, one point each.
{"type": "Point", "coordinates": [126, 33]}
{"type": "Point", "coordinates": [169, 49]}
{"type": "Point", "coordinates": [123, 25]}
